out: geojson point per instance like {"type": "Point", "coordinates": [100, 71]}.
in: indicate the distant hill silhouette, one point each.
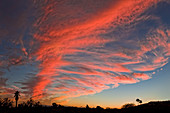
{"type": "Point", "coordinates": [151, 107]}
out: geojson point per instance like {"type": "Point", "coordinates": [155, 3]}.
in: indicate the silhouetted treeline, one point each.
{"type": "Point", "coordinates": [5, 103]}
{"type": "Point", "coordinates": [31, 106]}
{"type": "Point", "coordinates": [8, 103]}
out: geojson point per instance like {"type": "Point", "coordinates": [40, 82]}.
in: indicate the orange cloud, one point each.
{"type": "Point", "coordinates": [85, 47]}
{"type": "Point", "coordinates": [83, 51]}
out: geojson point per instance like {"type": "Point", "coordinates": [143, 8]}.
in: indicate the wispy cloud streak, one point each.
{"type": "Point", "coordinates": [84, 55]}
{"type": "Point", "coordinates": [84, 47]}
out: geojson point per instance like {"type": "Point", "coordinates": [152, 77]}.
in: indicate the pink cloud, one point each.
{"type": "Point", "coordinates": [160, 60]}
{"type": "Point", "coordinates": [168, 51]}
{"type": "Point", "coordinates": [85, 52]}
{"type": "Point", "coordinates": [125, 79]}
{"type": "Point", "coordinates": [141, 76]}
{"type": "Point", "coordinates": [58, 42]}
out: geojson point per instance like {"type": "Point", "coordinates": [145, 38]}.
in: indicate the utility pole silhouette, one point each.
{"type": "Point", "coordinates": [16, 97]}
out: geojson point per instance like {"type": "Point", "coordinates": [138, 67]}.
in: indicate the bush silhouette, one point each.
{"type": "Point", "coordinates": [30, 102]}
{"type": "Point", "coordinates": [128, 105]}
{"type": "Point", "coordinates": [55, 105]}
{"type": "Point", "coordinates": [6, 103]}
{"type": "Point", "coordinates": [87, 106]}
{"type": "Point", "coordinates": [37, 104]}
{"type": "Point", "coordinates": [99, 108]}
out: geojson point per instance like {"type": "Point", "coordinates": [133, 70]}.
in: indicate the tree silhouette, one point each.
{"type": "Point", "coordinates": [139, 101]}
{"type": "Point", "coordinates": [1, 102]}
{"type": "Point", "coordinates": [6, 103]}
{"type": "Point", "coordinates": [55, 105]}
{"type": "Point", "coordinates": [87, 106]}
{"type": "Point", "coordinates": [16, 97]}
{"type": "Point", "coordinates": [37, 104]}
{"type": "Point", "coordinates": [98, 107]}
{"type": "Point", "coordinates": [30, 102]}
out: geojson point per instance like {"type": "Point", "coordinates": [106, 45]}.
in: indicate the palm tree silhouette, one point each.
{"type": "Point", "coordinates": [16, 97]}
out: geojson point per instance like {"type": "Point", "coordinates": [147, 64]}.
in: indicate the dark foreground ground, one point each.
{"type": "Point", "coordinates": [151, 107]}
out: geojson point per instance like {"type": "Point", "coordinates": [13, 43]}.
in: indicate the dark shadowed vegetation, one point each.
{"type": "Point", "coordinates": [129, 105]}
{"type": "Point", "coordinates": [31, 106]}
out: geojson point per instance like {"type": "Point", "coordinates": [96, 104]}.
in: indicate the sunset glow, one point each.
{"type": "Point", "coordinates": [76, 52]}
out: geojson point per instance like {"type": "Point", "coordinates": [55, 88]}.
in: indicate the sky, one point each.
{"type": "Point", "coordinates": [78, 52]}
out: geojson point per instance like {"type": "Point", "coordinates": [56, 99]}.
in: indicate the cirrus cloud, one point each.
{"type": "Point", "coordinates": [83, 48]}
